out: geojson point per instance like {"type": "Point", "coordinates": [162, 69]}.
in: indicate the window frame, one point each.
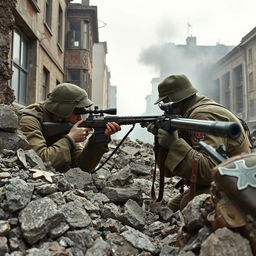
{"type": "Point", "coordinates": [60, 26]}
{"type": "Point", "coordinates": [45, 83]}
{"type": "Point", "coordinates": [83, 34]}
{"type": "Point", "coordinates": [48, 13]}
{"type": "Point", "coordinates": [227, 90]}
{"type": "Point", "coordinates": [21, 88]}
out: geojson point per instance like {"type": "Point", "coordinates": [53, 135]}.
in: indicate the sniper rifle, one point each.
{"type": "Point", "coordinates": [168, 121]}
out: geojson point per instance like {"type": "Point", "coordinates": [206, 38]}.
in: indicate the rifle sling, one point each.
{"type": "Point", "coordinates": [114, 151]}
{"type": "Point", "coordinates": [160, 156]}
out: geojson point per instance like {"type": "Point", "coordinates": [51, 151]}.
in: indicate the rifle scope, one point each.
{"type": "Point", "coordinates": [82, 111]}
{"type": "Point", "coordinates": [168, 107]}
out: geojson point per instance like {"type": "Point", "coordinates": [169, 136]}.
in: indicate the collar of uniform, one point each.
{"type": "Point", "coordinates": [190, 103]}
{"type": "Point", "coordinates": [46, 114]}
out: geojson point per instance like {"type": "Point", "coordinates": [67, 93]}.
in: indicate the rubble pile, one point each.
{"type": "Point", "coordinates": [107, 213]}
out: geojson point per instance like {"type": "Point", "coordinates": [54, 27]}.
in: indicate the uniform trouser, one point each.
{"type": "Point", "coordinates": [181, 200]}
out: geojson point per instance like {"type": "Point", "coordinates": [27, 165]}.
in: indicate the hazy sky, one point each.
{"type": "Point", "coordinates": [133, 25]}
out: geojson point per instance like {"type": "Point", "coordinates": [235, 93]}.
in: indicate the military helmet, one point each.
{"type": "Point", "coordinates": [65, 97]}
{"type": "Point", "coordinates": [176, 88]}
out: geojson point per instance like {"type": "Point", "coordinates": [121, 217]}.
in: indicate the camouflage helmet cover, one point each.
{"type": "Point", "coordinates": [176, 88]}
{"type": "Point", "coordinates": [65, 97]}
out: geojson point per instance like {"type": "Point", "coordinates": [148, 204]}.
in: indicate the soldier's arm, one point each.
{"type": "Point", "coordinates": [88, 157]}
{"type": "Point", "coordinates": [58, 153]}
{"type": "Point", "coordinates": [180, 160]}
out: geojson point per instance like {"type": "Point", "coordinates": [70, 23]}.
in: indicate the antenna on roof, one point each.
{"type": "Point", "coordinates": [189, 26]}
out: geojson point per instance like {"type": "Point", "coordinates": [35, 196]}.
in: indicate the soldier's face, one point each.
{"type": "Point", "coordinates": [74, 118]}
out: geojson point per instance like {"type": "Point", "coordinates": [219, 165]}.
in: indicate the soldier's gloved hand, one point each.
{"type": "Point", "coordinates": [152, 128]}
{"type": "Point", "coordinates": [166, 139]}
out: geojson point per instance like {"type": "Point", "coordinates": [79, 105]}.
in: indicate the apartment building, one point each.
{"type": "Point", "coordinates": [235, 79]}
{"type": "Point", "coordinates": [81, 35]}
{"type": "Point", "coordinates": [57, 41]}
{"type": "Point", "coordinates": [37, 48]}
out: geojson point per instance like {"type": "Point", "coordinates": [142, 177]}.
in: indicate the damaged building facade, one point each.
{"type": "Point", "coordinates": [82, 33]}
{"type": "Point", "coordinates": [52, 43]}
{"type": "Point", "coordinates": [235, 79]}
{"type": "Point", "coordinates": [230, 80]}
{"type": "Point", "coordinates": [37, 50]}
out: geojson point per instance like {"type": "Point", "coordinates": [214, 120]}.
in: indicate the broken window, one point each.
{"type": "Point", "coordinates": [19, 66]}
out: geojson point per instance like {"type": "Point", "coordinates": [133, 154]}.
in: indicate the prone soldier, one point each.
{"type": "Point", "coordinates": [64, 151]}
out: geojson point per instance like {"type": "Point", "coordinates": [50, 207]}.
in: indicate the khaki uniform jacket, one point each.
{"type": "Point", "coordinates": [58, 150]}
{"type": "Point", "coordinates": [180, 158]}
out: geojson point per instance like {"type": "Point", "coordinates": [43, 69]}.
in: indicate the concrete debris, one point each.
{"type": "Point", "coordinates": [108, 213]}
{"type": "Point", "coordinates": [225, 242]}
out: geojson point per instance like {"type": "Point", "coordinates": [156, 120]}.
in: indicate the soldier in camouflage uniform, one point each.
{"type": "Point", "coordinates": [183, 148]}
{"type": "Point", "coordinates": [64, 151]}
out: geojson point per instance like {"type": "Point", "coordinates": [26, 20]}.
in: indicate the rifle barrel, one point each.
{"type": "Point", "coordinates": [218, 128]}
{"type": "Point", "coordinates": [121, 120]}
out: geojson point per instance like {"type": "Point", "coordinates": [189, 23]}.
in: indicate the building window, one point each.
{"type": "Point", "coordinates": [78, 35]}
{"type": "Point", "coordinates": [226, 88]}
{"type": "Point", "coordinates": [238, 85]}
{"type": "Point", "coordinates": [19, 66]}
{"type": "Point", "coordinates": [249, 56]}
{"type": "Point", "coordinates": [217, 85]}
{"type": "Point", "coordinates": [252, 111]}
{"type": "Point", "coordinates": [85, 79]}
{"type": "Point", "coordinates": [78, 77]}
{"type": "Point", "coordinates": [45, 83]}
{"type": "Point", "coordinates": [85, 35]}
{"type": "Point", "coordinates": [74, 76]}
{"type": "Point", "coordinates": [48, 12]}
{"type": "Point", "coordinates": [57, 82]}
{"type": "Point", "coordinates": [251, 86]}
{"type": "Point", "coordinates": [60, 25]}
{"type": "Point", "coordinates": [74, 34]}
